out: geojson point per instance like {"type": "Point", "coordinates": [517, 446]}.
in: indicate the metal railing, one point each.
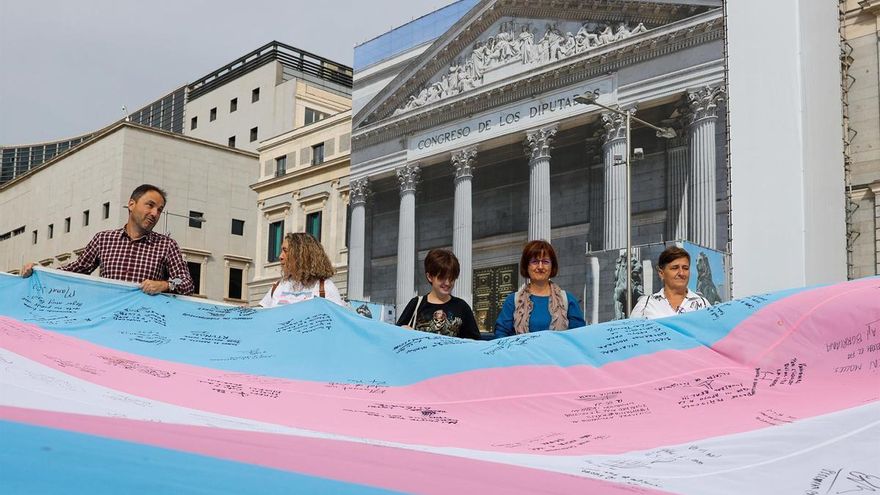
{"type": "Point", "coordinates": [289, 56]}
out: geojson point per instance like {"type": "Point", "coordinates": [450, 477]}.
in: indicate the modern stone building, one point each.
{"type": "Point", "coordinates": [183, 142]}
{"type": "Point", "coordinates": [475, 142]}
{"type": "Point", "coordinates": [51, 213]}
{"type": "Point", "coordinates": [267, 92]}
{"type": "Point", "coordinates": [254, 97]}
{"type": "Point", "coordinates": [859, 58]}
{"type": "Point", "coordinates": [303, 187]}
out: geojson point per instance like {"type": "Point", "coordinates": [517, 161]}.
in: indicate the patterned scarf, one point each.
{"type": "Point", "coordinates": [522, 310]}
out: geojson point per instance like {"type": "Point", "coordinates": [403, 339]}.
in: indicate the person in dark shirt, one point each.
{"type": "Point", "coordinates": [439, 311]}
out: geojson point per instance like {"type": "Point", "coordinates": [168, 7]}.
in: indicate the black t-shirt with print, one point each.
{"type": "Point", "coordinates": [453, 318]}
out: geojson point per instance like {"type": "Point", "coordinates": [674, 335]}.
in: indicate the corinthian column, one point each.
{"type": "Point", "coordinates": [701, 133]}
{"type": "Point", "coordinates": [538, 150]}
{"type": "Point", "coordinates": [615, 197]}
{"type": "Point", "coordinates": [462, 234]}
{"type": "Point", "coordinates": [407, 177]}
{"type": "Point", "coordinates": [359, 188]}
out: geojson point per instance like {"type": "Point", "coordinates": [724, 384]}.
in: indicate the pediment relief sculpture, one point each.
{"type": "Point", "coordinates": [517, 44]}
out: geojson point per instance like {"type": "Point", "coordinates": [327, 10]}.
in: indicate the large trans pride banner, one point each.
{"type": "Point", "coordinates": [106, 390]}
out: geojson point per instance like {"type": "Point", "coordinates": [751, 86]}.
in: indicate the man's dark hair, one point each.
{"type": "Point", "coordinates": [144, 189]}
{"type": "Point", "coordinates": [442, 263]}
{"type": "Point", "coordinates": [671, 254]}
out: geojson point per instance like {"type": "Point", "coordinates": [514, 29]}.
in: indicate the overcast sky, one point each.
{"type": "Point", "coordinates": [67, 67]}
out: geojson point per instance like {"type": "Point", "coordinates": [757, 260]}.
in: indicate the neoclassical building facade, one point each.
{"type": "Point", "coordinates": [860, 32]}
{"type": "Point", "coordinates": [475, 142]}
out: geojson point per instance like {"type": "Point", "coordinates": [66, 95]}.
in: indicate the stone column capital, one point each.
{"type": "Point", "coordinates": [703, 103]}
{"type": "Point", "coordinates": [408, 177]}
{"type": "Point", "coordinates": [463, 163]}
{"type": "Point", "coordinates": [538, 142]}
{"type": "Point", "coordinates": [359, 189]}
{"type": "Point", "coordinates": [615, 126]}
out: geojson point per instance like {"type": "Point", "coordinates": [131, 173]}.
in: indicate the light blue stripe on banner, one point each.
{"type": "Point", "coordinates": [320, 341]}
{"type": "Point", "coordinates": [35, 459]}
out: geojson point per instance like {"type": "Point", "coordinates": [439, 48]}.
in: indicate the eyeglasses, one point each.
{"type": "Point", "coordinates": [536, 262]}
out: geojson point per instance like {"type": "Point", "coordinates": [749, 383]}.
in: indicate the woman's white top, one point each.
{"type": "Point", "coordinates": [290, 292]}
{"type": "Point", "coordinates": [657, 306]}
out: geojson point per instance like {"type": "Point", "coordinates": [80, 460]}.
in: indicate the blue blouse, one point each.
{"type": "Point", "coordinates": [540, 318]}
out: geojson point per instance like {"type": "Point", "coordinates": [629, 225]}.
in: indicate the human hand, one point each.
{"type": "Point", "coordinates": [406, 327]}
{"type": "Point", "coordinates": [153, 287]}
{"type": "Point", "coordinates": [27, 270]}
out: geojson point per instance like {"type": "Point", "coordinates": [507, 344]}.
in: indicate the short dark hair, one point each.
{"type": "Point", "coordinates": [442, 263]}
{"type": "Point", "coordinates": [534, 249]}
{"type": "Point", "coordinates": [671, 254]}
{"type": "Point", "coordinates": [144, 189]}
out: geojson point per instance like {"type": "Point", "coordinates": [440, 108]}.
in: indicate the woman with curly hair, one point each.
{"type": "Point", "coordinates": [539, 304]}
{"type": "Point", "coordinates": [305, 273]}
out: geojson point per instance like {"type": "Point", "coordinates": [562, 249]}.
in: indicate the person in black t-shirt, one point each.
{"type": "Point", "coordinates": [439, 311]}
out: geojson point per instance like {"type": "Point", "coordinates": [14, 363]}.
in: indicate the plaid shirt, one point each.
{"type": "Point", "coordinates": [151, 257]}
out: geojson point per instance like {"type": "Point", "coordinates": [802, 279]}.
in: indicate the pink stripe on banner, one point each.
{"type": "Point", "coordinates": [383, 467]}
{"type": "Point", "coordinates": [791, 360]}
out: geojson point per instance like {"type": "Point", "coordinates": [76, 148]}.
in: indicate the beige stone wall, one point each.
{"type": "Point", "coordinates": [310, 96]}
{"type": "Point", "coordinates": [861, 32]}
{"type": "Point", "coordinates": [83, 181]}
{"type": "Point", "coordinates": [197, 176]}
{"type": "Point", "coordinates": [271, 115]}
{"type": "Point", "coordinates": [864, 250]}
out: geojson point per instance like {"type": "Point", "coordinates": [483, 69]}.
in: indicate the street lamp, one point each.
{"type": "Point", "coordinates": [591, 98]}
{"type": "Point", "coordinates": [200, 220]}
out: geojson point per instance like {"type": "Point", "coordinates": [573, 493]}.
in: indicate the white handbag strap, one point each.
{"type": "Point", "coordinates": [412, 321]}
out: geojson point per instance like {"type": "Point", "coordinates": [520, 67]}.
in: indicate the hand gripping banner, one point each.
{"type": "Point", "coordinates": [106, 390]}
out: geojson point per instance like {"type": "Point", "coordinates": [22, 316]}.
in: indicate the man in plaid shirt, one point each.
{"type": "Point", "coordinates": [134, 253]}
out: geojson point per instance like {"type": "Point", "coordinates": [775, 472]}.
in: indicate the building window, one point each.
{"type": "Point", "coordinates": [346, 228]}
{"type": "Point", "coordinates": [212, 116]}
{"type": "Point", "coordinates": [193, 123]}
{"type": "Point", "coordinates": [312, 116]}
{"type": "Point", "coordinates": [276, 236]}
{"type": "Point", "coordinates": [280, 166]}
{"type": "Point", "coordinates": [237, 227]}
{"type": "Point", "coordinates": [34, 237]}
{"type": "Point", "coordinates": [255, 95]}
{"type": "Point", "coordinates": [253, 134]}
{"type": "Point", "coordinates": [67, 224]}
{"type": "Point", "coordinates": [195, 271]}
{"type": "Point", "coordinates": [313, 224]}
{"type": "Point", "coordinates": [235, 283]}
{"type": "Point", "coordinates": [106, 211]}
{"type": "Point", "coordinates": [231, 141]}
{"type": "Point", "coordinates": [195, 219]}
{"type": "Point", "coordinates": [318, 154]}
{"type": "Point", "coordinates": [233, 105]}
{"type": "Point", "coordinates": [86, 218]}
{"type": "Point", "coordinates": [51, 232]}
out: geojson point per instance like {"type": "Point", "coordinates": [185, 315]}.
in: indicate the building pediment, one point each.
{"type": "Point", "coordinates": [502, 40]}
{"type": "Point", "coordinates": [513, 46]}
